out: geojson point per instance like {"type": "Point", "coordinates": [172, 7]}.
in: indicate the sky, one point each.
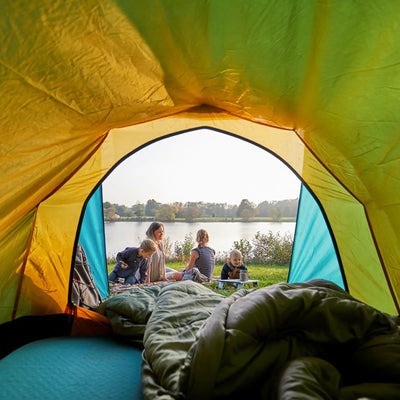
{"type": "Point", "coordinates": [202, 165]}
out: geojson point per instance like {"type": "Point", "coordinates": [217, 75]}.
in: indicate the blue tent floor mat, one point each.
{"type": "Point", "coordinates": [72, 368]}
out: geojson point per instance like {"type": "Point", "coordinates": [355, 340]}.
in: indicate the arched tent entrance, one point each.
{"type": "Point", "coordinates": [226, 163]}
{"type": "Point", "coordinates": [57, 218]}
{"type": "Point", "coordinates": [85, 83]}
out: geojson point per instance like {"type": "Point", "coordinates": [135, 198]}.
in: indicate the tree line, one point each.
{"type": "Point", "coordinates": [276, 210]}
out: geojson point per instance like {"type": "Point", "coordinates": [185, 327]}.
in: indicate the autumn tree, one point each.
{"type": "Point", "coordinates": [165, 213]}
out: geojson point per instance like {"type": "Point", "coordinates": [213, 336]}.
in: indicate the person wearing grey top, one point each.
{"type": "Point", "coordinates": [202, 258]}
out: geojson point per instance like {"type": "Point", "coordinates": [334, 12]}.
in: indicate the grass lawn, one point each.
{"type": "Point", "coordinates": [267, 275]}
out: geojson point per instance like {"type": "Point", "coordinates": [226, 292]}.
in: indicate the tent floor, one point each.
{"type": "Point", "coordinates": [72, 368]}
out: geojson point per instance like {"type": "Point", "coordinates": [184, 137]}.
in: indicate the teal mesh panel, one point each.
{"type": "Point", "coordinates": [92, 239]}
{"type": "Point", "coordinates": [314, 255]}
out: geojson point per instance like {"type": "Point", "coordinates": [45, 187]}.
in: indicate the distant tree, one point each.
{"type": "Point", "coordinates": [283, 208]}
{"type": "Point", "coordinates": [165, 213]}
{"type": "Point", "coordinates": [217, 209]}
{"type": "Point", "coordinates": [289, 207]}
{"type": "Point", "coordinates": [263, 208]}
{"type": "Point", "coordinates": [123, 211]}
{"type": "Point", "coordinates": [191, 213]}
{"type": "Point", "coordinates": [139, 210]}
{"type": "Point", "coordinates": [178, 209]}
{"type": "Point", "coordinates": [246, 210]}
{"type": "Point", "coordinates": [275, 214]}
{"type": "Point", "coordinates": [180, 213]}
{"type": "Point", "coordinates": [109, 210]}
{"type": "Point", "coordinates": [151, 207]}
{"type": "Point", "coordinates": [232, 211]}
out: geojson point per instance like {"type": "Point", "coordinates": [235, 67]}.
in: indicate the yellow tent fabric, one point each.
{"type": "Point", "coordinates": [84, 83]}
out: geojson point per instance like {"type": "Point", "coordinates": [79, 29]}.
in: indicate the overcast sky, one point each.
{"type": "Point", "coordinates": [197, 166]}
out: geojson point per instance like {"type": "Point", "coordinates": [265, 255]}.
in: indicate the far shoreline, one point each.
{"type": "Point", "coordinates": [216, 219]}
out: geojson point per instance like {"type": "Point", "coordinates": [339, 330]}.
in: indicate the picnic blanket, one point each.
{"type": "Point", "coordinates": [286, 341]}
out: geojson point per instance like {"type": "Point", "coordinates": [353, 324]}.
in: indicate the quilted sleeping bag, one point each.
{"type": "Point", "coordinates": [286, 341]}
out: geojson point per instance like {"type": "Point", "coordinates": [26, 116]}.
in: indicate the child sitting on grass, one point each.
{"type": "Point", "coordinates": [232, 268]}
{"type": "Point", "coordinates": [132, 260]}
{"type": "Point", "coordinates": [201, 264]}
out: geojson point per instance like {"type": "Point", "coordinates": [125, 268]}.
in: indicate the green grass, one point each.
{"type": "Point", "coordinates": [267, 275]}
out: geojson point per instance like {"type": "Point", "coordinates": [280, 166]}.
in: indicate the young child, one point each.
{"type": "Point", "coordinates": [232, 268]}
{"type": "Point", "coordinates": [131, 260]}
{"type": "Point", "coordinates": [202, 259]}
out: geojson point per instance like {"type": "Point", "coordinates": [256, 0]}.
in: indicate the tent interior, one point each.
{"type": "Point", "coordinates": [85, 84]}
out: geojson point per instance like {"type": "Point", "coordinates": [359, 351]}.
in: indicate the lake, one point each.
{"type": "Point", "coordinates": [123, 234]}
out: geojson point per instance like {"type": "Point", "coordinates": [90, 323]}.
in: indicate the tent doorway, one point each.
{"type": "Point", "coordinates": [210, 168]}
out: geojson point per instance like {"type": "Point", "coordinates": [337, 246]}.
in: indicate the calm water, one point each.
{"type": "Point", "coordinates": [222, 234]}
